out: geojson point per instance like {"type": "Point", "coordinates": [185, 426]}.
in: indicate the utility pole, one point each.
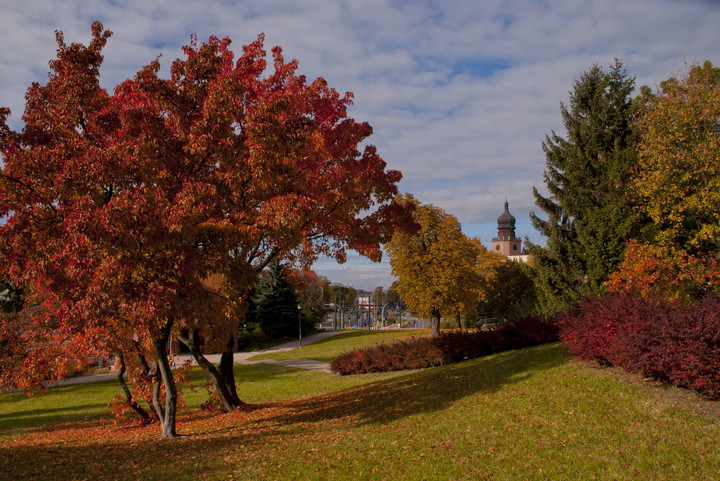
{"type": "Point", "coordinates": [300, 324]}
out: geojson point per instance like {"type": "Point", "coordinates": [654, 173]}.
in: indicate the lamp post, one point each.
{"type": "Point", "coordinates": [300, 324]}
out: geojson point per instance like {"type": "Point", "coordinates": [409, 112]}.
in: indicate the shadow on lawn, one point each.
{"type": "Point", "coordinates": [61, 413]}
{"type": "Point", "coordinates": [52, 418]}
{"type": "Point", "coordinates": [114, 454]}
{"type": "Point", "coordinates": [427, 390]}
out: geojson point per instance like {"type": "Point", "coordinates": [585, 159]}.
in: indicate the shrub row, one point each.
{"type": "Point", "coordinates": [446, 348]}
{"type": "Point", "coordinates": [662, 340]}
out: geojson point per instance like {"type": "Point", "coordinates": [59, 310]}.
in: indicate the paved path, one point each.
{"type": "Point", "coordinates": [239, 358]}
{"type": "Point", "coordinates": [244, 357]}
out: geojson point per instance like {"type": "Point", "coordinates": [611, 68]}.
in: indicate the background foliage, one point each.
{"type": "Point", "coordinates": [679, 175]}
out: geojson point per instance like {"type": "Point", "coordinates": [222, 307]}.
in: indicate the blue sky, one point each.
{"type": "Point", "coordinates": [460, 93]}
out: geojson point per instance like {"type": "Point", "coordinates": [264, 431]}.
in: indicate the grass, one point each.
{"type": "Point", "coordinates": [328, 349]}
{"type": "Point", "coordinates": [527, 414]}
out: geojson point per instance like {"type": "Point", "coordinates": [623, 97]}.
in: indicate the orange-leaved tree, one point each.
{"type": "Point", "coordinates": [123, 207]}
{"type": "Point", "coordinates": [666, 272]}
{"type": "Point", "coordinates": [435, 266]}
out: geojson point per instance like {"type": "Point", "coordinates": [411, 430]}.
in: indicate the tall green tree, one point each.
{"type": "Point", "coordinates": [508, 291]}
{"type": "Point", "coordinates": [588, 214]}
{"type": "Point", "coordinates": [274, 305]}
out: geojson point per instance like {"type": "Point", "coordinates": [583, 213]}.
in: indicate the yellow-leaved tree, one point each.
{"type": "Point", "coordinates": [679, 159]}
{"type": "Point", "coordinates": [436, 266]}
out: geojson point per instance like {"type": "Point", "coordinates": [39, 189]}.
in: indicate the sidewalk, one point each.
{"type": "Point", "coordinates": [244, 357]}
{"type": "Point", "coordinates": [238, 358]}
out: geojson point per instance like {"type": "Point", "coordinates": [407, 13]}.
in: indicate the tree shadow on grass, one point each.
{"type": "Point", "coordinates": [112, 455]}
{"type": "Point", "coordinates": [58, 410]}
{"type": "Point", "coordinates": [428, 390]}
{"type": "Point", "coordinates": [244, 437]}
{"type": "Point", "coordinates": [58, 406]}
{"type": "Point", "coordinates": [52, 418]}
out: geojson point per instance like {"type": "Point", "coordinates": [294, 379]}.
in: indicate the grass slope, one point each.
{"type": "Point", "coordinates": [527, 414]}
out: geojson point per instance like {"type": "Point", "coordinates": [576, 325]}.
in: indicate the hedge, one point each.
{"type": "Point", "coordinates": [659, 339]}
{"type": "Point", "coordinates": [446, 348]}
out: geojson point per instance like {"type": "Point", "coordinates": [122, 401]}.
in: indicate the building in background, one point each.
{"type": "Point", "coordinates": [506, 243]}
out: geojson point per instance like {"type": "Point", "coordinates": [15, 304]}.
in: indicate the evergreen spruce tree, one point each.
{"type": "Point", "coordinates": [589, 210]}
{"type": "Point", "coordinates": [274, 305]}
{"type": "Point", "coordinates": [12, 298]}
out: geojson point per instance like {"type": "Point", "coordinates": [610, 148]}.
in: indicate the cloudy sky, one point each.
{"type": "Point", "coordinates": [461, 93]}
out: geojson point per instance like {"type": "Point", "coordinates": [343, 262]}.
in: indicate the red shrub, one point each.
{"type": "Point", "coordinates": [420, 353]}
{"type": "Point", "coordinates": [588, 330]}
{"type": "Point", "coordinates": [614, 329]}
{"type": "Point", "coordinates": [446, 348]}
{"type": "Point", "coordinates": [659, 339]}
{"type": "Point", "coordinates": [524, 332]}
{"type": "Point", "coordinates": [692, 347]}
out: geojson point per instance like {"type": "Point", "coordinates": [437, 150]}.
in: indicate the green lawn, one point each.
{"type": "Point", "coordinates": [527, 414]}
{"type": "Point", "coordinates": [330, 348]}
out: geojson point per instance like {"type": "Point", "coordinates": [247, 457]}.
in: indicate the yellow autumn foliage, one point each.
{"type": "Point", "coordinates": [679, 158]}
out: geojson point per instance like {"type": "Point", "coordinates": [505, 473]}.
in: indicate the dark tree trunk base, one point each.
{"type": "Point", "coordinates": [166, 414]}
{"type": "Point", "coordinates": [223, 378]}
{"type": "Point", "coordinates": [145, 417]}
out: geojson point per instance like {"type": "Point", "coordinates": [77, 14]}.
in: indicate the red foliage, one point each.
{"type": "Point", "coordinates": [599, 328]}
{"type": "Point", "coordinates": [690, 352]}
{"type": "Point", "coordinates": [37, 348]}
{"type": "Point", "coordinates": [662, 340]}
{"type": "Point", "coordinates": [664, 271]}
{"type": "Point", "coordinates": [121, 206]}
{"type": "Point", "coordinates": [445, 348]}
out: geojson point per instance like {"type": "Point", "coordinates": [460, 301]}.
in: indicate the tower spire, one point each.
{"type": "Point", "coordinates": [506, 243]}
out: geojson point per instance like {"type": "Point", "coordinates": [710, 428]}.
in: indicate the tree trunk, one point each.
{"type": "Point", "coordinates": [226, 371]}
{"type": "Point", "coordinates": [459, 321]}
{"type": "Point", "coordinates": [144, 415]}
{"type": "Point", "coordinates": [167, 414]}
{"type": "Point", "coordinates": [435, 322]}
{"type": "Point", "coordinates": [223, 379]}
{"type": "Point", "coordinates": [146, 374]}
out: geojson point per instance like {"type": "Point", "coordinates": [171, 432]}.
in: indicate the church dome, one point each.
{"type": "Point", "coordinates": [506, 219]}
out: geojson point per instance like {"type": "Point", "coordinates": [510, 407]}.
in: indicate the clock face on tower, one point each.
{"type": "Point", "coordinates": [497, 247]}
{"type": "Point", "coordinates": [515, 247]}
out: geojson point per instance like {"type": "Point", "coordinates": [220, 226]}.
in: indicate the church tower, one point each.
{"type": "Point", "coordinates": [506, 243]}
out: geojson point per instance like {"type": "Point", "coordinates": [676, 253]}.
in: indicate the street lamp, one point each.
{"type": "Point", "coordinates": [300, 324]}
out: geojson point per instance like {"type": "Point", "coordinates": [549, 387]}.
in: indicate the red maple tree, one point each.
{"type": "Point", "coordinates": [119, 207]}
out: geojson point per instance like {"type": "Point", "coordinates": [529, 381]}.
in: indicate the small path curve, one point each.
{"type": "Point", "coordinates": [244, 357]}
{"type": "Point", "coordinates": [238, 358]}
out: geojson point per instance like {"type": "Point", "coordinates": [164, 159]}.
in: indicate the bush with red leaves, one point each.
{"type": "Point", "coordinates": [662, 340]}
{"type": "Point", "coordinates": [446, 348]}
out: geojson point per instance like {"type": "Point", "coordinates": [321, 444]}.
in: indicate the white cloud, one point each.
{"type": "Point", "coordinates": [460, 94]}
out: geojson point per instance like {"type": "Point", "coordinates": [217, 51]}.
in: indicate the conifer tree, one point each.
{"type": "Point", "coordinates": [275, 304]}
{"type": "Point", "coordinates": [589, 213]}
{"type": "Point", "coordinates": [12, 297]}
